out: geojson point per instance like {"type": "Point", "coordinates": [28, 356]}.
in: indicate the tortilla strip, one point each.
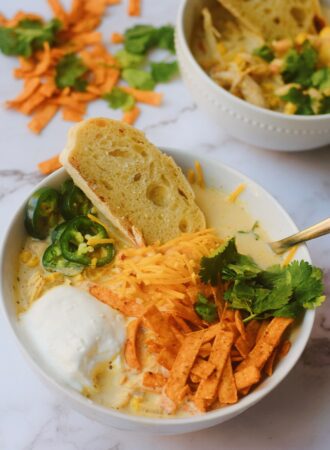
{"type": "Point", "coordinates": [50, 165]}
{"type": "Point", "coordinates": [269, 366]}
{"type": "Point", "coordinates": [264, 324]}
{"type": "Point", "coordinates": [126, 307]}
{"type": "Point", "coordinates": [154, 380]}
{"type": "Point", "coordinates": [187, 313]}
{"type": "Point", "coordinates": [202, 369]}
{"type": "Point", "coordinates": [205, 349]}
{"type": "Point", "coordinates": [166, 358]}
{"type": "Point", "coordinates": [227, 387]}
{"type": "Point", "coordinates": [131, 116]}
{"type": "Point", "coordinates": [30, 86]}
{"type": "Point", "coordinates": [266, 344]}
{"type": "Point", "coordinates": [240, 325]}
{"type": "Point", "coordinates": [42, 117]}
{"type": "Point", "coordinates": [148, 97]}
{"type": "Point", "coordinates": [247, 377]}
{"type": "Point", "coordinates": [153, 347]}
{"type": "Point", "coordinates": [244, 346]}
{"type": "Point", "coordinates": [159, 324]}
{"type": "Point", "coordinates": [284, 349]}
{"type": "Point", "coordinates": [211, 332]}
{"type": "Point", "coordinates": [207, 389]}
{"type": "Point", "coordinates": [130, 351]}
{"type": "Point", "coordinates": [183, 363]}
{"type": "Point", "coordinates": [182, 324]}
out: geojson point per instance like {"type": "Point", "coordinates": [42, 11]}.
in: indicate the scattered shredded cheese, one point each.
{"type": "Point", "coordinates": [290, 255]}
{"type": "Point", "coordinates": [234, 195]}
{"type": "Point", "coordinates": [199, 175]}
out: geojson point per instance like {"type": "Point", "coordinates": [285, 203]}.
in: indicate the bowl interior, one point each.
{"type": "Point", "coordinates": [261, 205]}
{"type": "Point", "coordinates": [189, 13]}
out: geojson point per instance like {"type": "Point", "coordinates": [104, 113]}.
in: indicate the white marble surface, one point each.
{"type": "Point", "coordinates": [297, 414]}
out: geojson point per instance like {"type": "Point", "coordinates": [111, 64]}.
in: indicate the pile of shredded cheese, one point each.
{"type": "Point", "coordinates": [161, 274]}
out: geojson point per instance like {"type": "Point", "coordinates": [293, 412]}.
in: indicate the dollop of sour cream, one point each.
{"type": "Point", "coordinates": [70, 332]}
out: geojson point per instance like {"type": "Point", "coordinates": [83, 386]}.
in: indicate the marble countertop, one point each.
{"type": "Point", "coordinates": [297, 414]}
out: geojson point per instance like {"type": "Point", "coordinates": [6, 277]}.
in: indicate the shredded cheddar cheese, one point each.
{"type": "Point", "coordinates": [93, 241]}
{"type": "Point", "coordinates": [97, 220]}
{"type": "Point", "coordinates": [290, 255]}
{"type": "Point", "coordinates": [161, 274]}
{"type": "Point", "coordinates": [191, 176]}
{"type": "Point", "coordinates": [199, 175]}
{"type": "Point", "coordinates": [234, 195]}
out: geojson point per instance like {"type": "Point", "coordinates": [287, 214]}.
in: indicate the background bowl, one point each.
{"type": "Point", "coordinates": [254, 125]}
{"type": "Point", "coordinates": [262, 206]}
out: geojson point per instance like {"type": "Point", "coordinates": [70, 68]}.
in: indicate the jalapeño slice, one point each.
{"type": "Point", "coordinates": [53, 261]}
{"type": "Point", "coordinates": [42, 212]}
{"type": "Point", "coordinates": [74, 242]}
{"type": "Point", "coordinates": [73, 201]}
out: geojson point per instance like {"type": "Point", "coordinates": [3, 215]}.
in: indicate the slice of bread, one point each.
{"type": "Point", "coordinates": [132, 183]}
{"type": "Point", "coordinates": [275, 19]}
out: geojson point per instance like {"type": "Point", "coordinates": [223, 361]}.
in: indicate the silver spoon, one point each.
{"type": "Point", "coordinates": [320, 229]}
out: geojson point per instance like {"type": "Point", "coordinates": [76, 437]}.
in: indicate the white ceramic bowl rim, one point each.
{"type": "Point", "coordinates": [235, 409]}
{"type": "Point", "coordinates": [181, 35]}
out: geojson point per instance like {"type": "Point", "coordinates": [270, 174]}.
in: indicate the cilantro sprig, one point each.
{"type": "Point", "coordinates": [118, 99]}
{"type": "Point", "coordinates": [205, 308]}
{"type": "Point", "coordinates": [27, 36]}
{"type": "Point", "coordinates": [141, 38]}
{"type": "Point", "coordinates": [303, 102]}
{"type": "Point", "coordinates": [299, 66]}
{"type": "Point", "coordinates": [264, 52]}
{"type": "Point", "coordinates": [275, 292]}
{"type": "Point", "coordinates": [137, 69]}
{"type": "Point", "coordinates": [70, 72]}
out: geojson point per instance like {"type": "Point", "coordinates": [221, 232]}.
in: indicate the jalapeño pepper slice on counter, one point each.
{"type": "Point", "coordinates": [75, 246]}
{"type": "Point", "coordinates": [73, 202]}
{"type": "Point", "coordinates": [53, 261]}
{"type": "Point", "coordinates": [42, 212]}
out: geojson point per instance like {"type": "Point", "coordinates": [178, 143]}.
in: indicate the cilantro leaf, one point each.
{"type": "Point", "coordinates": [206, 309]}
{"type": "Point", "coordinates": [275, 292]}
{"type": "Point", "coordinates": [138, 79]}
{"type": "Point", "coordinates": [213, 265]}
{"type": "Point", "coordinates": [162, 72]}
{"type": "Point", "coordinates": [321, 78]}
{"type": "Point", "coordinates": [264, 52]}
{"type": "Point", "coordinates": [126, 59]}
{"type": "Point", "coordinates": [140, 38]}
{"type": "Point", "coordinates": [70, 71]}
{"type": "Point", "coordinates": [165, 38]}
{"type": "Point", "coordinates": [299, 67]}
{"type": "Point", "coordinates": [28, 36]}
{"type": "Point", "coordinates": [118, 99]}
{"type": "Point", "coordinates": [278, 283]}
{"type": "Point", "coordinates": [302, 101]}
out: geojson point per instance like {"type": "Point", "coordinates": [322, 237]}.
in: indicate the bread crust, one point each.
{"type": "Point", "coordinates": [111, 162]}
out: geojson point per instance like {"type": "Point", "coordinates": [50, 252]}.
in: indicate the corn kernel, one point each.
{"type": "Point", "coordinates": [290, 108]}
{"type": "Point", "coordinates": [325, 32]}
{"type": "Point", "coordinates": [324, 53]}
{"type": "Point", "coordinates": [53, 277]}
{"type": "Point", "coordinates": [33, 261]}
{"type": "Point", "coordinates": [301, 38]}
{"type": "Point", "coordinates": [221, 48]}
{"type": "Point", "coordinates": [240, 62]}
{"type": "Point", "coordinates": [25, 256]}
{"type": "Point", "coordinates": [135, 403]}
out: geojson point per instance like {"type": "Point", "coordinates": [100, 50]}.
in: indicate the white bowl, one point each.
{"type": "Point", "coordinates": [262, 206]}
{"type": "Point", "coordinates": [254, 125]}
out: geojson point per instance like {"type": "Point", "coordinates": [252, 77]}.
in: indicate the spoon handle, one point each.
{"type": "Point", "coordinates": [317, 230]}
